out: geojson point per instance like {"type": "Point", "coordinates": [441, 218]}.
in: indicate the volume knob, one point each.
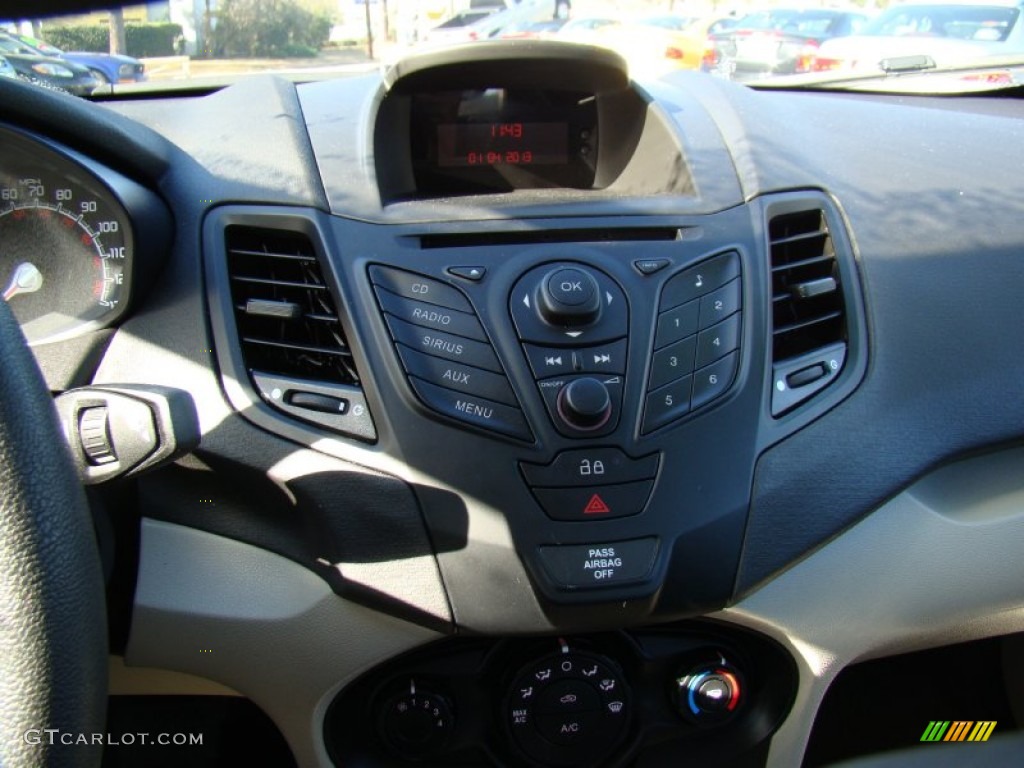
{"type": "Point", "coordinates": [585, 404]}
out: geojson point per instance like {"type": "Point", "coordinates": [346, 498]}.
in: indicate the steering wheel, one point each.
{"type": "Point", "coordinates": [53, 637]}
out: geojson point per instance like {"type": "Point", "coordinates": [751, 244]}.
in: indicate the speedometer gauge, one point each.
{"type": "Point", "coordinates": [66, 243]}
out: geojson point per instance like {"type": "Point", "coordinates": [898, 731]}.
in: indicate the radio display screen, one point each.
{"type": "Point", "coordinates": [499, 139]}
{"type": "Point", "coordinates": [516, 143]}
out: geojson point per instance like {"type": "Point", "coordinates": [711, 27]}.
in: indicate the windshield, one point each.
{"type": "Point", "coordinates": [177, 45]}
{"type": "Point", "coordinates": [965, 22]}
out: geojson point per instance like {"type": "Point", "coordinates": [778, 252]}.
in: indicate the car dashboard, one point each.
{"type": "Point", "coordinates": [547, 418]}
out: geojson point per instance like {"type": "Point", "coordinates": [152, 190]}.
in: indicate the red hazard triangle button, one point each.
{"type": "Point", "coordinates": [594, 502]}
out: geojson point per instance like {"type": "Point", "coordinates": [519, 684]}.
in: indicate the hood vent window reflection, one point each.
{"type": "Point", "coordinates": [289, 331]}
{"type": "Point", "coordinates": [808, 318]}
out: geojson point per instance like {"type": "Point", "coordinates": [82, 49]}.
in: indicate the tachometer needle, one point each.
{"type": "Point", "coordinates": [26, 279]}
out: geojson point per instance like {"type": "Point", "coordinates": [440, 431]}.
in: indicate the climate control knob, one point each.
{"type": "Point", "coordinates": [569, 296]}
{"type": "Point", "coordinates": [585, 404]}
{"type": "Point", "coordinates": [416, 723]}
{"type": "Point", "coordinates": [709, 693]}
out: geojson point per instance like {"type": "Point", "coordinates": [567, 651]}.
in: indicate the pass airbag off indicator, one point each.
{"type": "Point", "coordinates": [588, 566]}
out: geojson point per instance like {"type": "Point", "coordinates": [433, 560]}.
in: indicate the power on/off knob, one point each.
{"type": "Point", "coordinates": [585, 404]}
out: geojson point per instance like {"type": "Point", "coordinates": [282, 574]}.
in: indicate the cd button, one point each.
{"type": "Point", "coordinates": [418, 287]}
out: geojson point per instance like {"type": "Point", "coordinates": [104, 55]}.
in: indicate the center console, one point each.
{"type": "Point", "coordinates": [547, 309]}
{"type": "Point", "coordinates": [537, 347]}
{"type": "Point", "coordinates": [687, 694]}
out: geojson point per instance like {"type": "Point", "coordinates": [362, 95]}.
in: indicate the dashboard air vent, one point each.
{"type": "Point", "coordinates": [807, 303]}
{"type": "Point", "coordinates": [290, 335]}
{"type": "Point", "coordinates": [808, 308]}
{"type": "Point", "coordinates": [287, 322]}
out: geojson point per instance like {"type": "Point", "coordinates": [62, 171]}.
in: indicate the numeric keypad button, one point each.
{"type": "Point", "coordinates": [666, 404]}
{"type": "Point", "coordinates": [712, 381]}
{"type": "Point", "coordinates": [677, 323]}
{"type": "Point", "coordinates": [718, 305]}
{"type": "Point", "coordinates": [718, 340]}
{"type": "Point", "coordinates": [672, 362]}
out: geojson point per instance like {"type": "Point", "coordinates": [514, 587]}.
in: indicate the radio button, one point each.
{"type": "Point", "coordinates": [431, 315]}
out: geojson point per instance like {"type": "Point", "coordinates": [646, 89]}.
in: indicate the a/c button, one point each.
{"type": "Point", "coordinates": [588, 566]}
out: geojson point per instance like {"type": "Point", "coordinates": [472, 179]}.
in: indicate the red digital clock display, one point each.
{"type": "Point", "coordinates": [493, 144]}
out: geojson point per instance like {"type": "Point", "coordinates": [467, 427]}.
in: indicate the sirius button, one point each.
{"type": "Point", "coordinates": [444, 345]}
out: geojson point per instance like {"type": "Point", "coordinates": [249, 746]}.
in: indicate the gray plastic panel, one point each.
{"type": "Point", "coordinates": [938, 564]}
{"type": "Point", "coordinates": [258, 623]}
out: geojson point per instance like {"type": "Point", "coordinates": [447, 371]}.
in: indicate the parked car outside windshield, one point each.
{"type": "Point", "coordinates": [48, 71]}
{"type": "Point", "coordinates": [927, 36]}
{"type": "Point", "coordinates": [779, 41]}
{"type": "Point", "coordinates": [107, 67]}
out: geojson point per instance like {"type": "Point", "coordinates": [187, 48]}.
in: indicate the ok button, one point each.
{"type": "Point", "coordinates": [571, 287]}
